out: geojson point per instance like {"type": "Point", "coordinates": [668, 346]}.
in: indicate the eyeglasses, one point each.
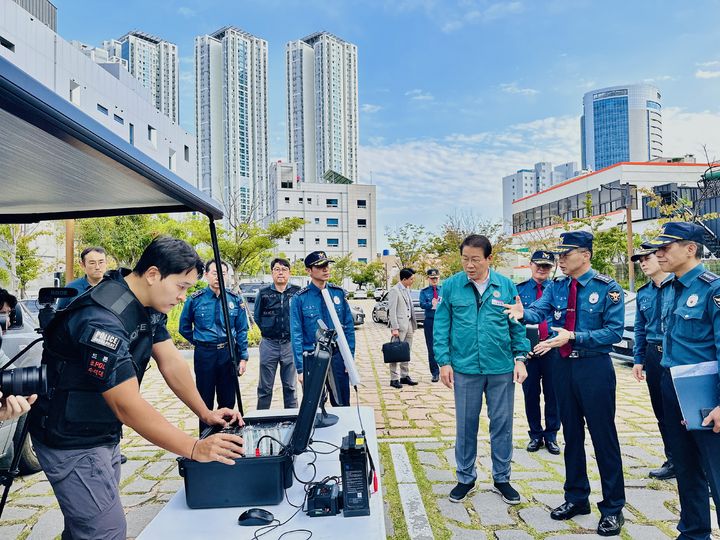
{"type": "Point", "coordinates": [280, 269]}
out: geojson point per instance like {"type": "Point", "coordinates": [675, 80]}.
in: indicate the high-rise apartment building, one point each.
{"type": "Point", "coordinates": [231, 112]}
{"type": "Point", "coordinates": [621, 124]}
{"type": "Point", "coordinates": [154, 62]}
{"type": "Point", "coordinates": [322, 89]}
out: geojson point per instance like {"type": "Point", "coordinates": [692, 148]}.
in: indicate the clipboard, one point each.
{"type": "Point", "coordinates": [696, 387]}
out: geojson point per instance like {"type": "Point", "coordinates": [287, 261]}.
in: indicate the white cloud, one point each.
{"type": "Point", "coordinates": [711, 63]}
{"type": "Point", "coordinates": [513, 88]}
{"type": "Point", "coordinates": [702, 74]}
{"type": "Point", "coordinates": [659, 78]}
{"type": "Point", "coordinates": [452, 15]}
{"type": "Point", "coordinates": [186, 12]}
{"type": "Point", "coordinates": [370, 108]}
{"type": "Point", "coordinates": [686, 132]}
{"type": "Point", "coordinates": [419, 95]}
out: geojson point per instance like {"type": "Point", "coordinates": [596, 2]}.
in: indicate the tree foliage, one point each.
{"type": "Point", "coordinates": [410, 243]}
{"type": "Point", "coordinates": [372, 273]}
{"type": "Point", "coordinates": [342, 268]}
{"type": "Point", "coordinates": [20, 255]}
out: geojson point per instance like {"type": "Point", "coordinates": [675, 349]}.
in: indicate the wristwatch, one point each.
{"type": "Point", "coordinates": [522, 359]}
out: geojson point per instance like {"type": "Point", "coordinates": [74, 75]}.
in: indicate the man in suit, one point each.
{"type": "Point", "coordinates": [401, 317]}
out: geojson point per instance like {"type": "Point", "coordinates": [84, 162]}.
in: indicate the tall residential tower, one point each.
{"type": "Point", "coordinates": [154, 62]}
{"type": "Point", "coordinates": [231, 112]}
{"type": "Point", "coordinates": [322, 88]}
{"type": "Point", "coordinates": [620, 124]}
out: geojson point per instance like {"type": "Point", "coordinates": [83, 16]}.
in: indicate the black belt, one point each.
{"type": "Point", "coordinates": [657, 345]}
{"type": "Point", "coordinates": [220, 345]}
{"type": "Point", "coordinates": [584, 354]}
{"type": "Point", "coordinates": [279, 340]}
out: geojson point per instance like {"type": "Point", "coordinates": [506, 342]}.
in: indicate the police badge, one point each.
{"type": "Point", "coordinates": [692, 300]}
{"type": "Point", "coordinates": [614, 296]}
{"type": "Point", "coordinates": [594, 297]}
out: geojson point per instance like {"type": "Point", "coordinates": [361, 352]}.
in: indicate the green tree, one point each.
{"type": "Point", "coordinates": [342, 268]}
{"type": "Point", "coordinates": [410, 243]}
{"type": "Point", "coordinates": [20, 255]}
{"type": "Point", "coordinates": [371, 273]}
{"type": "Point", "coordinates": [123, 237]}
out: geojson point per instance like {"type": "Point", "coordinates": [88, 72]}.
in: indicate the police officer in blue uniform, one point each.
{"type": "Point", "coordinates": [539, 366]}
{"type": "Point", "coordinates": [202, 324]}
{"type": "Point", "coordinates": [429, 298]}
{"type": "Point", "coordinates": [96, 352]}
{"type": "Point", "coordinates": [691, 334]}
{"type": "Point", "coordinates": [588, 313]}
{"type": "Point", "coordinates": [306, 307]}
{"type": "Point", "coordinates": [647, 351]}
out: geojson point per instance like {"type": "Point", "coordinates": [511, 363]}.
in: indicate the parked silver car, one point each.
{"type": "Point", "coordinates": [623, 349]}
{"type": "Point", "coordinates": [380, 311]}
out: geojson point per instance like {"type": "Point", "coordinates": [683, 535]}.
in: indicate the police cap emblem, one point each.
{"type": "Point", "coordinates": [614, 296]}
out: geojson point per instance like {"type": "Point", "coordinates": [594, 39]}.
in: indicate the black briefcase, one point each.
{"type": "Point", "coordinates": [396, 351]}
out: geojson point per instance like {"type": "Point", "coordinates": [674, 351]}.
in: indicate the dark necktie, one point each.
{"type": "Point", "coordinates": [435, 294]}
{"type": "Point", "coordinates": [543, 326]}
{"type": "Point", "coordinates": [566, 349]}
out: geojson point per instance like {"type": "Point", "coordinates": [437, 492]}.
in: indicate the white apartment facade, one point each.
{"type": "Point", "coordinates": [339, 218]}
{"type": "Point", "coordinates": [231, 107]}
{"type": "Point", "coordinates": [322, 90]}
{"type": "Point", "coordinates": [154, 62]}
{"type": "Point", "coordinates": [105, 92]}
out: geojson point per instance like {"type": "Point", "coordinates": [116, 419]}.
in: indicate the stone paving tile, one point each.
{"type": "Point", "coordinates": [540, 520]}
{"type": "Point", "coordinates": [455, 511]}
{"type": "Point", "coordinates": [429, 411]}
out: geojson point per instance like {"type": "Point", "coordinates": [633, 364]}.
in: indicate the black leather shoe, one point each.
{"type": "Point", "coordinates": [552, 447]}
{"type": "Point", "coordinates": [396, 384]}
{"type": "Point", "coordinates": [123, 459]}
{"type": "Point", "coordinates": [666, 472]}
{"type": "Point", "coordinates": [408, 381]}
{"type": "Point", "coordinates": [435, 378]}
{"type": "Point", "coordinates": [611, 525]}
{"type": "Point", "coordinates": [534, 445]}
{"type": "Point", "coordinates": [569, 510]}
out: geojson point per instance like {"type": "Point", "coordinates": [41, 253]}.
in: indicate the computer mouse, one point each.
{"type": "Point", "coordinates": [254, 517]}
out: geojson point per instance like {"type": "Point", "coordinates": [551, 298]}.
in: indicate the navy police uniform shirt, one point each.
{"type": "Point", "coordinates": [306, 307]}
{"type": "Point", "coordinates": [600, 310]}
{"type": "Point", "coordinates": [426, 298]}
{"type": "Point", "coordinates": [527, 291]}
{"type": "Point", "coordinates": [647, 318]}
{"type": "Point", "coordinates": [691, 318]}
{"type": "Point", "coordinates": [202, 320]}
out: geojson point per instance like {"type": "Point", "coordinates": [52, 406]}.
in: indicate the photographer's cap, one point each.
{"type": "Point", "coordinates": [543, 257]}
{"type": "Point", "coordinates": [675, 231]}
{"type": "Point", "coordinates": [317, 258]}
{"type": "Point", "coordinates": [574, 240]}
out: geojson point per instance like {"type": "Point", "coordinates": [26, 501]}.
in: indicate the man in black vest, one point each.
{"type": "Point", "coordinates": [272, 315]}
{"type": "Point", "coordinates": [96, 352]}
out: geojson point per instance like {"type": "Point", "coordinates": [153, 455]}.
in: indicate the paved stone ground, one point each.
{"type": "Point", "coordinates": [416, 429]}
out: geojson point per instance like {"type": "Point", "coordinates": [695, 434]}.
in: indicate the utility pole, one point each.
{"type": "Point", "coordinates": [628, 220]}
{"type": "Point", "coordinates": [69, 250]}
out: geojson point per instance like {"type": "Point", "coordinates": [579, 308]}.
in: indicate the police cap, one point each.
{"type": "Point", "coordinates": [543, 257]}
{"type": "Point", "coordinates": [574, 240]}
{"type": "Point", "coordinates": [433, 272]}
{"type": "Point", "coordinates": [317, 258]}
{"type": "Point", "coordinates": [674, 231]}
{"type": "Point", "coordinates": [640, 253]}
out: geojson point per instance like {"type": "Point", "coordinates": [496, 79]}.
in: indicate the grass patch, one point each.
{"type": "Point", "coordinates": [435, 517]}
{"type": "Point", "coordinates": [391, 495]}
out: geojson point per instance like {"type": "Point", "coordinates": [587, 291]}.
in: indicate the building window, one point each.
{"type": "Point", "coordinates": [331, 203]}
{"type": "Point", "coordinates": [102, 109]}
{"type": "Point", "coordinates": [74, 93]}
{"type": "Point", "coordinates": [333, 242]}
{"type": "Point", "coordinates": [362, 259]}
{"type": "Point", "coordinates": [300, 200]}
{"type": "Point", "coordinates": [302, 240]}
{"type": "Point", "coordinates": [362, 203]}
{"type": "Point", "coordinates": [317, 221]}
{"type": "Point", "coordinates": [287, 200]}
{"type": "Point", "coordinates": [309, 200]}
{"type": "Point", "coordinates": [119, 119]}
{"type": "Point", "coordinates": [132, 134]}
{"type": "Point", "coordinates": [152, 135]}
{"type": "Point", "coordinates": [9, 45]}
{"type": "Point", "coordinates": [172, 165]}
{"type": "Point", "coordinates": [362, 223]}
{"type": "Point", "coordinates": [333, 222]}
{"type": "Point", "coordinates": [317, 241]}
{"type": "Point", "coordinates": [187, 152]}
{"type": "Point", "coordinates": [362, 242]}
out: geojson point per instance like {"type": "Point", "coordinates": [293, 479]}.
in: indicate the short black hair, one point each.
{"type": "Point", "coordinates": [281, 261]}
{"type": "Point", "coordinates": [89, 250]}
{"type": "Point", "coordinates": [170, 256]}
{"type": "Point", "coordinates": [477, 241]}
{"type": "Point", "coordinates": [7, 298]}
{"type": "Point", "coordinates": [699, 248]}
{"type": "Point", "coordinates": [406, 273]}
{"type": "Point", "coordinates": [212, 261]}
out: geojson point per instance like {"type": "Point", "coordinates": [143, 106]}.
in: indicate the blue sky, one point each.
{"type": "Point", "coordinates": [455, 94]}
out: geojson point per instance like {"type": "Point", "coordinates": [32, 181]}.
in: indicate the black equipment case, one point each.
{"type": "Point", "coordinates": [262, 480]}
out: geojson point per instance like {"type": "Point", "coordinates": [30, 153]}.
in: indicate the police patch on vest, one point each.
{"type": "Point", "coordinates": [614, 296]}
{"type": "Point", "coordinates": [716, 299]}
{"type": "Point", "coordinates": [105, 339]}
{"type": "Point", "coordinates": [99, 364]}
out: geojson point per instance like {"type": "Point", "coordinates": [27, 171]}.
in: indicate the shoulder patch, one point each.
{"type": "Point", "coordinates": [197, 293]}
{"type": "Point", "coordinates": [303, 290]}
{"type": "Point", "coordinates": [708, 277]}
{"type": "Point", "coordinates": [603, 278]}
{"type": "Point", "coordinates": [716, 300]}
{"type": "Point", "coordinates": [560, 278]}
{"type": "Point", "coordinates": [614, 296]}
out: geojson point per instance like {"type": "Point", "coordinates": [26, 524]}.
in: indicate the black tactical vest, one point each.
{"type": "Point", "coordinates": [274, 317]}
{"type": "Point", "coordinates": [74, 414]}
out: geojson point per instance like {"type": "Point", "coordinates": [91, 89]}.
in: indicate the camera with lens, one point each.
{"type": "Point", "coordinates": [31, 380]}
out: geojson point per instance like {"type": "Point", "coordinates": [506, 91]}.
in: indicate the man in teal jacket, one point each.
{"type": "Point", "coordinates": [480, 351]}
